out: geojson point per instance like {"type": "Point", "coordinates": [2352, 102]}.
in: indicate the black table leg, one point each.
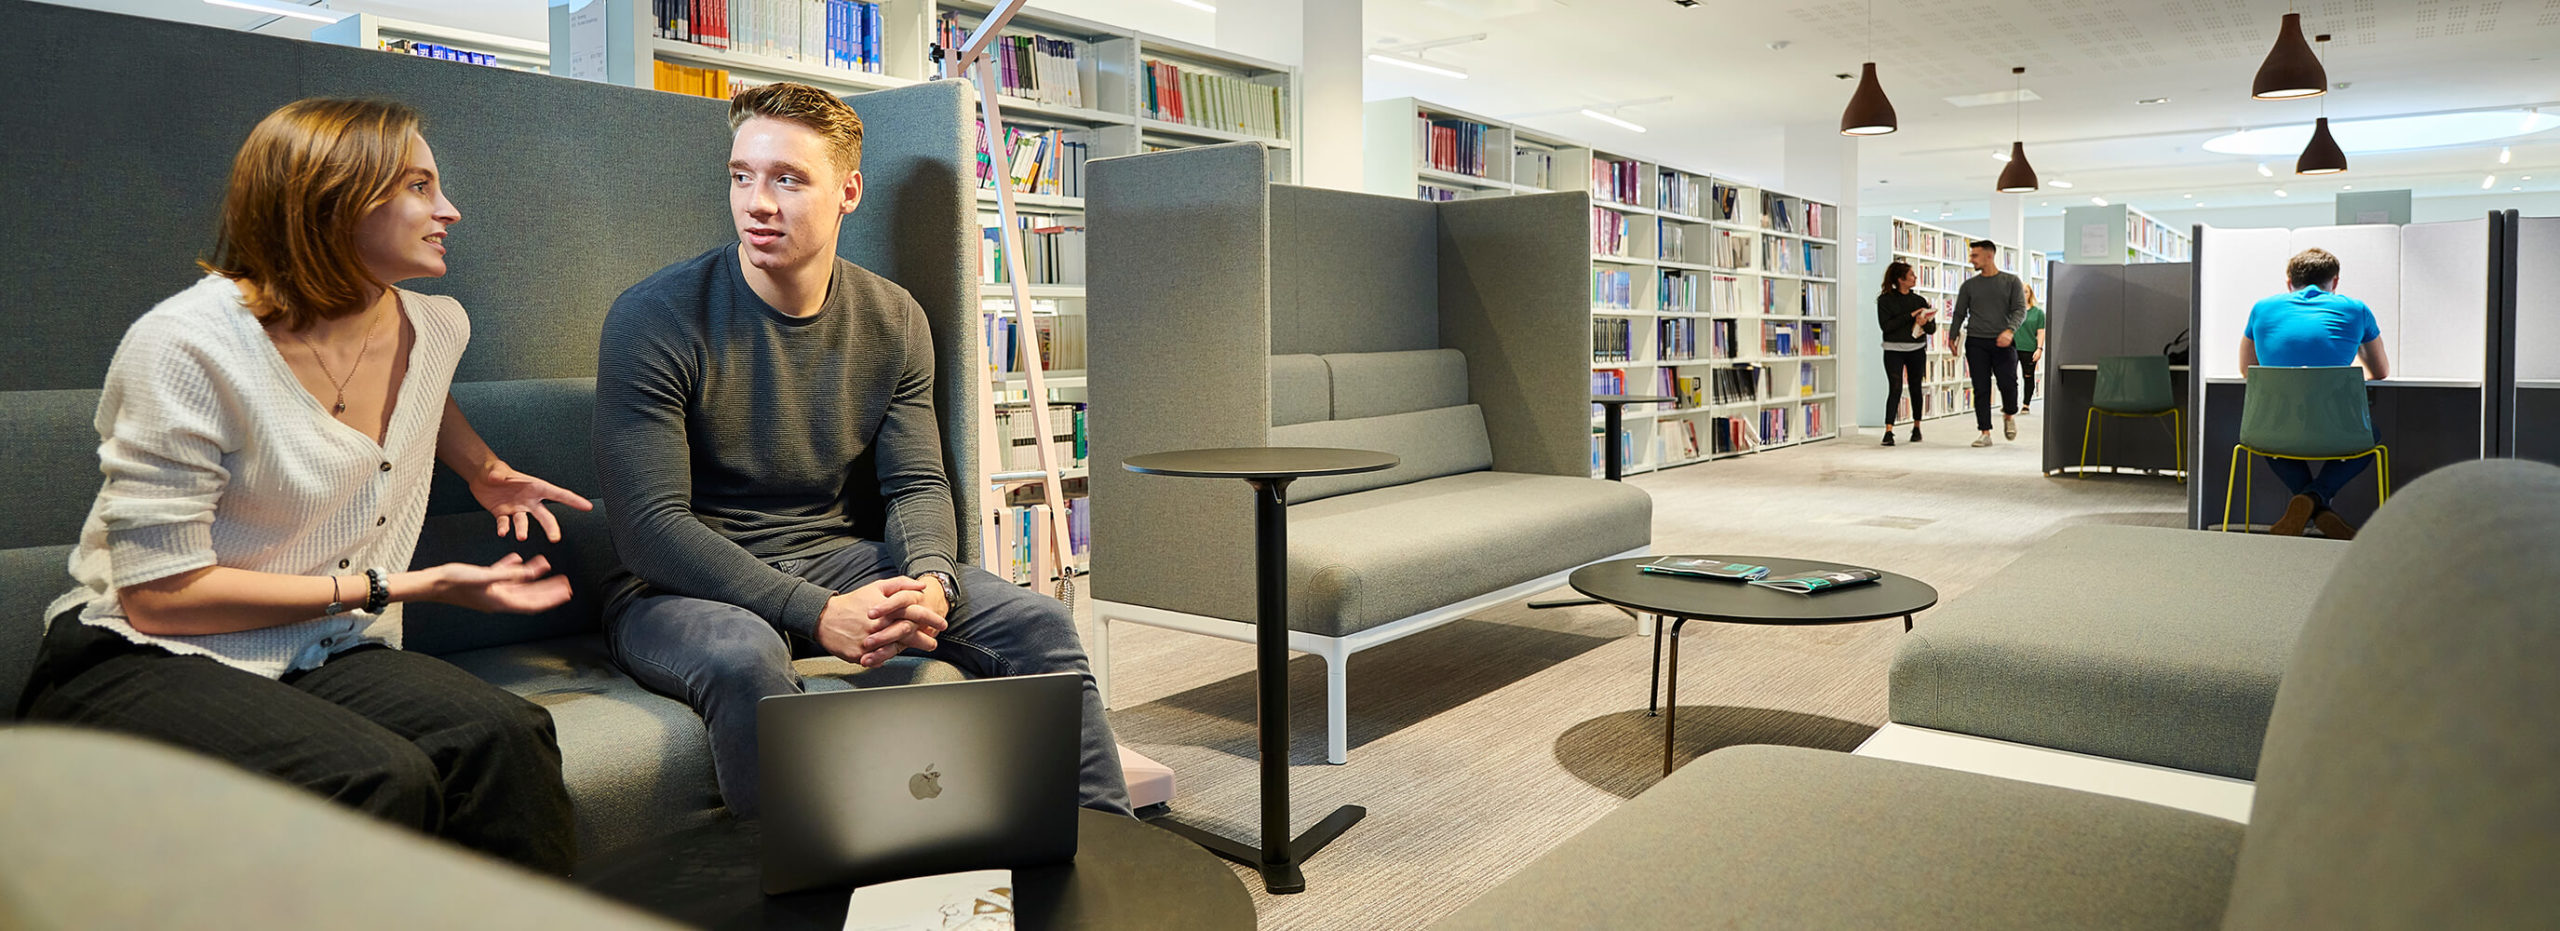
{"type": "Point", "coordinates": [1653, 690]}
{"type": "Point", "coordinates": [1671, 694]}
{"type": "Point", "coordinates": [1906, 623]}
{"type": "Point", "coordinates": [1278, 856]}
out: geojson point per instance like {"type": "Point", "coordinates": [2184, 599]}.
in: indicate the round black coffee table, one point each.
{"type": "Point", "coordinates": [1686, 598]}
{"type": "Point", "coordinates": [1127, 874]}
{"type": "Point", "coordinates": [1269, 469]}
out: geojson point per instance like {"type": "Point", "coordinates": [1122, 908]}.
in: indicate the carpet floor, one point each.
{"type": "Point", "coordinates": [1480, 745]}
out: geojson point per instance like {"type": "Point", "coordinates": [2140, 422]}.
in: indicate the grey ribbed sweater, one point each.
{"type": "Point", "coordinates": [1988, 304]}
{"type": "Point", "coordinates": [726, 435]}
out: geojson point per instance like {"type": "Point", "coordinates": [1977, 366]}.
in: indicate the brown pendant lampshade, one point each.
{"type": "Point", "coordinates": [2322, 156]}
{"type": "Point", "coordinates": [2019, 177]}
{"type": "Point", "coordinates": [2291, 70]}
{"type": "Point", "coordinates": [1869, 112]}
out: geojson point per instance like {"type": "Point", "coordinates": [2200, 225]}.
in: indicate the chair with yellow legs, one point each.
{"type": "Point", "coordinates": [2134, 386]}
{"type": "Point", "coordinates": [2313, 414]}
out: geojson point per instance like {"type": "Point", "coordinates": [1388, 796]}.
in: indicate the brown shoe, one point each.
{"type": "Point", "coordinates": [2296, 514]}
{"type": "Point", "coordinates": [2333, 526]}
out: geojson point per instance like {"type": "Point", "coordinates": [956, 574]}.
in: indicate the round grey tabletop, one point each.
{"type": "Point", "coordinates": [1629, 399]}
{"type": "Point", "coordinates": [1619, 583]}
{"type": "Point", "coordinates": [1127, 875]}
{"type": "Point", "coordinates": [1261, 462]}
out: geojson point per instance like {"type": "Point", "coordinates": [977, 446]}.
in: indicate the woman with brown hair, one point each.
{"type": "Point", "coordinates": [1908, 323]}
{"type": "Point", "coordinates": [267, 437]}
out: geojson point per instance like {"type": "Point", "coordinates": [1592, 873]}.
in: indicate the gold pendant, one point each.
{"type": "Point", "coordinates": [340, 409]}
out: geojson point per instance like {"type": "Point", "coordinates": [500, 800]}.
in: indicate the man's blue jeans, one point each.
{"type": "Point", "coordinates": [2324, 483]}
{"type": "Point", "coordinates": [721, 658]}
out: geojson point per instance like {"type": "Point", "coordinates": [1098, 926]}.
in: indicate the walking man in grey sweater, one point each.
{"type": "Point", "coordinates": [1990, 306]}
{"type": "Point", "coordinates": [736, 393]}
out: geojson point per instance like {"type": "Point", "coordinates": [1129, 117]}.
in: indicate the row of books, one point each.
{"type": "Point", "coordinates": [1671, 241]}
{"type": "Point", "coordinates": [1731, 250]}
{"type": "Point", "coordinates": [1676, 339]}
{"type": "Point", "coordinates": [1019, 535]}
{"type": "Point", "coordinates": [1795, 215]}
{"type": "Point", "coordinates": [1608, 381]}
{"type": "Point", "coordinates": [1943, 246]}
{"type": "Point", "coordinates": [1612, 339]}
{"type": "Point", "coordinates": [1039, 161]}
{"type": "Point", "coordinates": [1688, 391]}
{"type": "Point", "coordinates": [1617, 181]}
{"type": "Point", "coordinates": [827, 33]}
{"type": "Point", "coordinates": [439, 52]}
{"type": "Point", "coordinates": [1033, 67]}
{"type": "Point", "coordinates": [1176, 94]}
{"type": "Point", "coordinates": [1052, 249]}
{"type": "Point", "coordinates": [1626, 448]}
{"type": "Point", "coordinates": [1434, 192]}
{"type": "Point", "coordinates": [1678, 292]}
{"type": "Point", "coordinates": [1796, 257]}
{"type": "Point", "coordinates": [1731, 435]}
{"type": "Point", "coordinates": [1817, 419]}
{"type": "Point", "coordinates": [1017, 436]}
{"type": "Point", "coordinates": [1533, 166]}
{"type": "Point", "coordinates": [1681, 192]}
{"type": "Point", "coordinates": [1738, 384]}
{"type": "Point", "coordinates": [1454, 146]}
{"type": "Point", "coordinates": [700, 82]}
{"type": "Point", "coordinates": [1676, 440]}
{"type": "Point", "coordinates": [1795, 339]}
{"type": "Point", "coordinates": [1613, 288]}
{"type": "Point", "coordinates": [1610, 232]}
{"type": "Point", "coordinates": [1939, 278]}
{"type": "Point", "coordinates": [1061, 341]}
{"type": "Point", "coordinates": [1773, 426]}
{"type": "Point", "coordinates": [1808, 380]}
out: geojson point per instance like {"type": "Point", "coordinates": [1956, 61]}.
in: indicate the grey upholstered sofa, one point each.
{"type": "Point", "coordinates": [569, 192]}
{"type": "Point", "coordinates": [2406, 780]}
{"type": "Point", "coordinates": [1231, 312]}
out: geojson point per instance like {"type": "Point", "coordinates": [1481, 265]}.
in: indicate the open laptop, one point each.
{"type": "Point", "coordinates": [869, 785]}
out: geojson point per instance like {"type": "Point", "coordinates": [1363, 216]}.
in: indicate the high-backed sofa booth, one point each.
{"type": "Point", "coordinates": [2404, 780]}
{"type": "Point", "coordinates": [569, 193]}
{"type": "Point", "coordinates": [1232, 312]}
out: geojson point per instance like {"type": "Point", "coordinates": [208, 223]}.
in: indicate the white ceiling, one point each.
{"type": "Point", "coordinates": [2088, 61]}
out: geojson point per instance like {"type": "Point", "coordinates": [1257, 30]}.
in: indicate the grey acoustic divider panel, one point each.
{"type": "Point", "coordinates": [1178, 265]}
{"type": "Point", "coordinates": [570, 191]}
{"type": "Point", "coordinates": [1514, 296]}
{"type": "Point", "coordinates": [2537, 338]}
{"type": "Point", "coordinates": [1351, 272]}
{"type": "Point", "coordinates": [2111, 310]}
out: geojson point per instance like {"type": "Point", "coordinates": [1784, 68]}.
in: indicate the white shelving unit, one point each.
{"type": "Point", "coordinates": [1939, 256]}
{"type": "Point", "coordinates": [1673, 251]}
{"type": "Point", "coordinates": [367, 30]}
{"type": "Point", "coordinates": [2118, 234]}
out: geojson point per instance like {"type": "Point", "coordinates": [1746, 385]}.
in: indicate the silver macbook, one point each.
{"type": "Point", "coordinates": [869, 785]}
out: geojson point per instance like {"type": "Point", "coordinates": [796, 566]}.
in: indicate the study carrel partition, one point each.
{"type": "Point", "coordinates": [2429, 287]}
{"type": "Point", "coordinates": [2532, 311]}
{"type": "Point", "coordinates": [2096, 311]}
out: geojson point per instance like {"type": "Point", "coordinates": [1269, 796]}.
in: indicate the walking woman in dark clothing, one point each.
{"type": "Point", "coordinates": [1908, 323]}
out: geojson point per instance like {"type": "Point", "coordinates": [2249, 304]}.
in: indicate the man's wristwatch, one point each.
{"type": "Point", "coordinates": [950, 586]}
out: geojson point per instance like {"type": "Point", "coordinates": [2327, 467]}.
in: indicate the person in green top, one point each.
{"type": "Point", "coordinates": [2030, 348]}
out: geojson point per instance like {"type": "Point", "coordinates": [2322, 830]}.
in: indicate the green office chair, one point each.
{"type": "Point", "coordinates": [2304, 413]}
{"type": "Point", "coordinates": [2135, 386]}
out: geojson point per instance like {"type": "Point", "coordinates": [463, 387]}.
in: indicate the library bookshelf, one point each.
{"type": "Point", "coordinates": [1715, 292]}
{"type": "Point", "coordinates": [1073, 90]}
{"type": "Point", "coordinates": [367, 30]}
{"type": "Point", "coordinates": [2118, 234]}
{"type": "Point", "coordinates": [1938, 256]}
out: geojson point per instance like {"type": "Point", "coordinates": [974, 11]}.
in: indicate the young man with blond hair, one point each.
{"type": "Point", "coordinates": [735, 393]}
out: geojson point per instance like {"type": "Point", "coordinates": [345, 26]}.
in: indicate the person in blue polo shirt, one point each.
{"type": "Point", "coordinates": [2313, 325]}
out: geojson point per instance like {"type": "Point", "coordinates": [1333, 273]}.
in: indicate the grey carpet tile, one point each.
{"type": "Point", "coordinates": [1479, 745]}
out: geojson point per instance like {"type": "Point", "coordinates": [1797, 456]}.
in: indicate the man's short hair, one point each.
{"type": "Point", "coordinates": [1984, 244]}
{"type": "Point", "coordinates": [2310, 267]}
{"type": "Point", "coordinates": [831, 118]}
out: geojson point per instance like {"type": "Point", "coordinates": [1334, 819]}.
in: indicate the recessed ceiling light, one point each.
{"type": "Point", "coordinates": [2390, 134]}
{"type": "Point", "coordinates": [1417, 64]}
{"type": "Point", "coordinates": [2280, 193]}
{"type": "Point", "coordinates": [2188, 196]}
{"type": "Point", "coordinates": [1611, 120]}
{"type": "Point", "coordinates": [2488, 182]}
{"type": "Point", "coordinates": [2062, 184]}
{"type": "Point", "coordinates": [2150, 101]}
{"type": "Point", "coordinates": [1999, 155]}
{"type": "Point", "coordinates": [2263, 171]}
{"type": "Point", "coordinates": [2503, 155]}
{"type": "Point", "coordinates": [2100, 201]}
{"type": "Point", "coordinates": [2351, 187]}
{"type": "Point", "coordinates": [2517, 188]}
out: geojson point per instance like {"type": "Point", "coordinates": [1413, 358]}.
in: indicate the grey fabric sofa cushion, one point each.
{"type": "Point", "coordinates": [31, 577]}
{"type": "Point", "coordinates": [541, 426]}
{"type": "Point", "coordinates": [51, 470]}
{"type": "Point", "coordinates": [1301, 389]}
{"type": "Point", "coordinates": [1358, 561]}
{"type": "Point", "coordinates": [1432, 443]}
{"type": "Point", "coordinates": [2412, 773]}
{"type": "Point", "coordinates": [82, 811]}
{"type": "Point", "coordinates": [1787, 838]}
{"type": "Point", "coordinates": [2138, 643]}
{"type": "Point", "coordinates": [1373, 384]}
{"type": "Point", "coordinates": [638, 764]}
{"type": "Point", "coordinates": [584, 554]}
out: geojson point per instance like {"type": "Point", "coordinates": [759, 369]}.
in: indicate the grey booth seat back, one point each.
{"type": "Point", "coordinates": [2411, 774]}
{"type": "Point", "coordinates": [1412, 404]}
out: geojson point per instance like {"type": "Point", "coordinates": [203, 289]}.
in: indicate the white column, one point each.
{"type": "Point", "coordinates": [1823, 164]}
{"type": "Point", "coordinates": [1321, 37]}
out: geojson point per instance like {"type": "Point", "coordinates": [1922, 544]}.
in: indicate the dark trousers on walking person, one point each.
{"type": "Point", "coordinates": [404, 737]}
{"type": "Point", "coordinates": [2027, 378]}
{"type": "Point", "coordinates": [1986, 359]}
{"type": "Point", "coordinates": [1904, 367]}
{"type": "Point", "coordinates": [721, 659]}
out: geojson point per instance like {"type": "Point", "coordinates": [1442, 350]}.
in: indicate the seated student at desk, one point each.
{"type": "Point", "coordinates": [2313, 325]}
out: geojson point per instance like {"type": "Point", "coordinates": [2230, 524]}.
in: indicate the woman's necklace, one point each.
{"type": "Point", "coordinates": [334, 381]}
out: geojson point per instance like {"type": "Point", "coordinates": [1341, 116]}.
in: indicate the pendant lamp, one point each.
{"type": "Point", "coordinates": [2018, 177]}
{"type": "Point", "coordinates": [2291, 70]}
{"type": "Point", "coordinates": [1869, 112]}
{"type": "Point", "coordinates": [2322, 156]}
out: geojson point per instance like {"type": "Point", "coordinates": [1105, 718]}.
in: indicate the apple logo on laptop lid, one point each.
{"type": "Point", "coordinates": [925, 785]}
